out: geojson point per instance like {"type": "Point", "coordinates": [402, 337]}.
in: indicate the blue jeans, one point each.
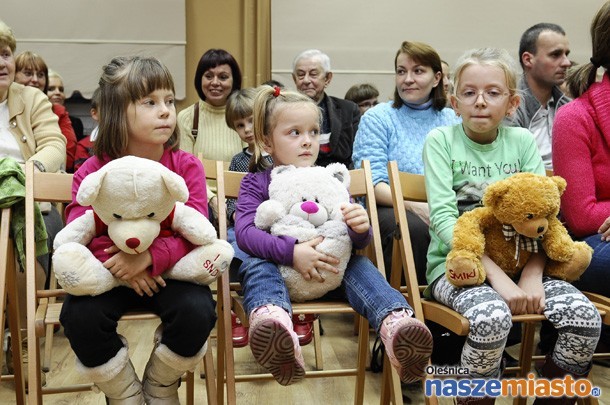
{"type": "Point", "coordinates": [365, 288]}
{"type": "Point", "coordinates": [595, 278]}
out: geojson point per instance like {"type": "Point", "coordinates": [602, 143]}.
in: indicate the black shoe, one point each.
{"type": "Point", "coordinates": [510, 361]}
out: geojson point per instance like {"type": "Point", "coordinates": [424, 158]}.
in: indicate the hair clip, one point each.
{"type": "Point", "coordinates": [276, 91]}
{"type": "Point", "coordinates": [595, 62]}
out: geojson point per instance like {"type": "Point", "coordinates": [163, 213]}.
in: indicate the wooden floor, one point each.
{"type": "Point", "coordinates": [311, 391]}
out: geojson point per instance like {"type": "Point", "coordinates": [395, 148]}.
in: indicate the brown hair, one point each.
{"type": "Point", "coordinates": [581, 77]}
{"type": "Point", "coordinates": [267, 102]}
{"type": "Point", "coordinates": [425, 55]}
{"type": "Point", "coordinates": [240, 104]}
{"type": "Point", "coordinates": [32, 61]}
{"type": "Point", "coordinates": [125, 80]}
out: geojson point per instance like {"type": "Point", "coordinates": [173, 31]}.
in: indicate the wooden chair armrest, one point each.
{"type": "Point", "coordinates": [597, 298]}
{"type": "Point", "coordinates": [446, 317]}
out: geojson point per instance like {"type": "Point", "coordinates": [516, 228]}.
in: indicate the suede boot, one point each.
{"type": "Point", "coordinates": [552, 370]}
{"type": "Point", "coordinates": [163, 372]}
{"type": "Point", "coordinates": [117, 379]}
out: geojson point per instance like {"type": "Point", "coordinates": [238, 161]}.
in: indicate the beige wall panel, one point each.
{"type": "Point", "coordinates": [362, 36]}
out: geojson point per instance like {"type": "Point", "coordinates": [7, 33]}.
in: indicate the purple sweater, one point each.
{"type": "Point", "coordinates": [581, 155]}
{"type": "Point", "coordinates": [253, 191]}
{"type": "Point", "coordinates": [165, 251]}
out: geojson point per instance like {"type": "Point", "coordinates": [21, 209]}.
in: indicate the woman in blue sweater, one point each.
{"type": "Point", "coordinates": [396, 130]}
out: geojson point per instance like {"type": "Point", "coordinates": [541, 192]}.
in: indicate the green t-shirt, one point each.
{"type": "Point", "coordinates": [457, 171]}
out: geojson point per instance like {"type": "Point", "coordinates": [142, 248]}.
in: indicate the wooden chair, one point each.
{"type": "Point", "coordinates": [411, 187]}
{"type": "Point", "coordinates": [361, 186]}
{"type": "Point", "coordinates": [56, 187]}
{"type": "Point", "coordinates": [8, 290]}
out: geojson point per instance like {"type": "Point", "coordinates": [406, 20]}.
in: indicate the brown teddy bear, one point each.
{"type": "Point", "coordinates": [519, 217]}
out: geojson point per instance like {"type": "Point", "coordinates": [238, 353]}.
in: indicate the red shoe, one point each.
{"type": "Point", "coordinates": [238, 331]}
{"type": "Point", "coordinates": [303, 327]}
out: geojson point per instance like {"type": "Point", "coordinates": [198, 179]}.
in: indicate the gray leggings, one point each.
{"type": "Point", "coordinates": [576, 319]}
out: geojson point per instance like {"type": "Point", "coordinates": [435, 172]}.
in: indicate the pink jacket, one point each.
{"type": "Point", "coordinates": [581, 155]}
{"type": "Point", "coordinates": [165, 251]}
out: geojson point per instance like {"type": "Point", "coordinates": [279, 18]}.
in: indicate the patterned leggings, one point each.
{"type": "Point", "coordinates": [576, 319]}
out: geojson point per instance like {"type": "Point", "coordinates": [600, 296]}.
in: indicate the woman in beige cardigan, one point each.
{"type": "Point", "coordinates": [28, 132]}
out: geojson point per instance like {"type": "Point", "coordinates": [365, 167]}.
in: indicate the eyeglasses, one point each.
{"type": "Point", "coordinates": [492, 96]}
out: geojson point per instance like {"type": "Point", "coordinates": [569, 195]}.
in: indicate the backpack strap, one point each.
{"type": "Point", "coordinates": [195, 128]}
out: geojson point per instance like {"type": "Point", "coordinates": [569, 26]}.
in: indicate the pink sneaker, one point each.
{"type": "Point", "coordinates": [275, 345]}
{"type": "Point", "coordinates": [408, 344]}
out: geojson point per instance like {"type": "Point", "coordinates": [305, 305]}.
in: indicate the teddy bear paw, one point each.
{"type": "Point", "coordinates": [79, 272]}
{"type": "Point", "coordinates": [464, 271]}
{"type": "Point", "coordinates": [204, 264]}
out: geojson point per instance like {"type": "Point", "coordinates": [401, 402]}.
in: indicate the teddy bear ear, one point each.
{"type": "Point", "coordinates": [90, 187]}
{"type": "Point", "coordinates": [282, 169]}
{"type": "Point", "coordinates": [493, 193]}
{"type": "Point", "coordinates": [560, 183]}
{"type": "Point", "coordinates": [339, 172]}
{"type": "Point", "coordinates": [175, 185]}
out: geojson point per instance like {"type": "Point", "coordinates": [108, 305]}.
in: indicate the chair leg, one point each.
{"type": "Point", "coordinates": [12, 311]}
{"type": "Point", "coordinates": [317, 344]}
{"type": "Point", "coordinates": [48, 341]}
{"type": "Point", "coordinates": [210, 377]}
{"type": "Point", "coordinates": [363, 348]}
{"type": "Point", "coordinates": [390, 384]}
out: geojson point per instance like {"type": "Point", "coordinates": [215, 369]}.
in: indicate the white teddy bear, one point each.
{"type": "Point", "coordinates": [305, 203]}
{"type": "Point", "coordinates": [134, 200]}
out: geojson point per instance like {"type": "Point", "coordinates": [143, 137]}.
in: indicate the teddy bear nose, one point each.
{"type": "Point", "coordinates": [132, 243]}
{"type": "Point", "coordinates": [310, 207]}
{"type": "Point", "coordinates": [540, 229]}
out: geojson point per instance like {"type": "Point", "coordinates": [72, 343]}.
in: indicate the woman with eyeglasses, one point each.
{"type": "Point", "coordinates": [396, 130]}
{"type": "Point", "coordinates": [31, 70]}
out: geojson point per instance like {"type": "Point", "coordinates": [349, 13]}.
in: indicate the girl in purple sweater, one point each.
{"type": "Point", "coordinates": [287, 126]}
{"type": "Point", "coordinates": [138, 117]}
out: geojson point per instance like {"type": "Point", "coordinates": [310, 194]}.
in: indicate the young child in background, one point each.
{"type": "Point", "coordinates": [287, 126]}
{"type": "Point", "coordinates": [84, 147]}
{"type": "Point", "coordinates": [485, 92]}
{"type": "Point", "coordinates": [137, 116]}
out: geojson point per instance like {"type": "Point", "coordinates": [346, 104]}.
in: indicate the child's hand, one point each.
{"type": "Point", "coordinates": [145, 283]}
{"type": "Point", "coordinates": [356, 217]}
{"type": "Point", "coordinates": [308, 261]}
{"type": "Point", "coordinates": [125, 266]}
{"type": "Point", "coordinates": [535, 293]}
{"type": "Point", "coordinates": [531, 282]}
{"type": "Point", "coordinates": [515, 297]}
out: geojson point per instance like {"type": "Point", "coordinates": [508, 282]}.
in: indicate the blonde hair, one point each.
{"type": "Point", "coordinates": [7, 37]}
{"type": "Point", "coordinates": [240, 104]}
{"type": "Point", "coordinates": [53, 73]}
{"type": "Point", "coordinates": [581, 77]}
{"type": "Point", "coordinates": [266, 104]}
{"type": "Point", "coordinates": [124, 81]}
{"type": "Point", "coordinates": [496, 57]}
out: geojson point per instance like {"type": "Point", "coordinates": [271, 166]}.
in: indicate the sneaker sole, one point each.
{"type": "Point", "coordinates": [412, 349]}
{"type": "Point", "coordinates": [273, 348]}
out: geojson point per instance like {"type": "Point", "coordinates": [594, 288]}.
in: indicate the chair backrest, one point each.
{"type": "Point", "coordinates": [52, 187]}
{"type": "Point", "coordinates": [405, 187]}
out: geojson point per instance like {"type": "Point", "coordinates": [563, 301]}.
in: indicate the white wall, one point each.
{"type": "Point", "coordinates": [362, 36]}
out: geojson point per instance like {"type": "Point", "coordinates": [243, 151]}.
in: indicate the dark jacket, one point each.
{"type": "Point", "coordinates": [344, 116]}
